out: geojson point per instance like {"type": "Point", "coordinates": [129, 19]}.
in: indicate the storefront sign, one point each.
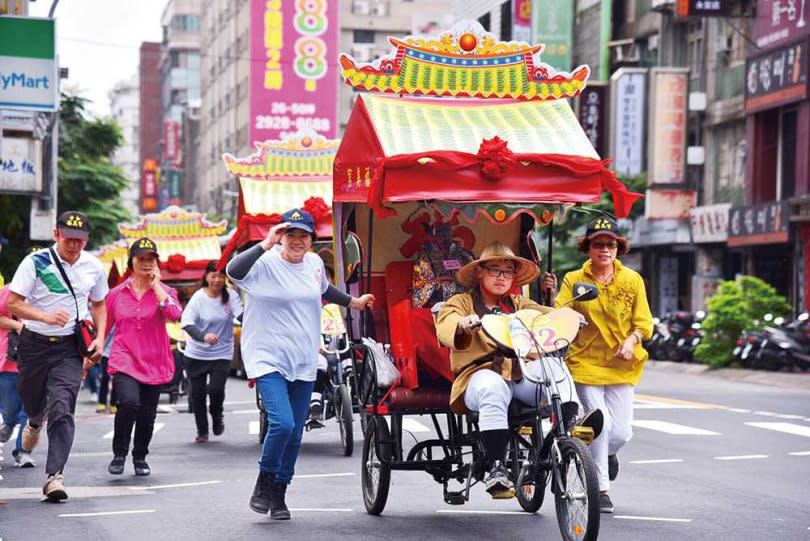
{"type": "Point", "coordinates": [709, 223]}
{"type": "Point", "coordinates": [704, 8]}
{"type": "Point", "coordinates": [149, 186]}
{"type": "Point", "coordinates": [777, 77]}
{"type": "Point", "coordinates": [553, 24]}
{"type": "Point", "coordinates": [780, 21]}
{"type": "Point", "coordinates": [669, 88]}
{"type": "Point", "coordinates": [522, 21]}
{"type": "Point", "coordinates": [17, 121]}
{"type": "Point", "coordinates": [175, 186]}
{"type": "Point", "coordinates": [171, 146]}
{"type": "Point", "coordinates": [294, 85]}
{"type": "Point", "coordinates": [669, 204]}
{"type": "Point", "coordinates": [658, 232]}
{"type": "Point", "coordinates": [28, 78]}
{"type": "Point", "coordinates": [766, 223]}
{"type": "Point", "coordinates": [627, 103]}
{"type": "Point", "coordinates": [593, 115]}
{"type": "Point", "coordinates": [21, 165]}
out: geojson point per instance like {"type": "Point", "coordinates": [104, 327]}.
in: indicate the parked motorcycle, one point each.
{"type": "Point", "coordinates": [659, 336]}
{"type": "Point", "coordinates": [786, 347]}
{"type": "Point", "coordinates": [685, 334]}
{"type": "Point", "coordinates": [747, 347]}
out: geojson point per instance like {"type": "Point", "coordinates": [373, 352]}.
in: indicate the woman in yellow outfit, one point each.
{"type": "Point", "coordinates": [607, 358]}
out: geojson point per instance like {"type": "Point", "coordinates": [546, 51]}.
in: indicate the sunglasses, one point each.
{"type": "Point", "coordinates": [603, 245]}
{"type": "Point", "coordinates": [497, 273]}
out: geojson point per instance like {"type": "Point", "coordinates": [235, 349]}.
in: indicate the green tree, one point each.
{"type": "Point", "coordinates": [737, 305]}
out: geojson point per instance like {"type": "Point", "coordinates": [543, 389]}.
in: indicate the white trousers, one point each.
{"type": "Point", "coordinates": [616, 403]}
{"type": "Point", "coordinates": [489, 394]}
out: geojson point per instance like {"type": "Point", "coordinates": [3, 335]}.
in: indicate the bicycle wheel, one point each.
{"type": "Point", "coordinates": [376, 474]}
{"type": "Point", "coordinates": [343, 412]}
{"type": "Point", "coordinates": [530, 488]}
{"type": "Point", "coordinates": [576, 491]}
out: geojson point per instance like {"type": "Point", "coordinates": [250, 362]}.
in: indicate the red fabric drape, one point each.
{"type": "Point", "coordinates": [241, 229]}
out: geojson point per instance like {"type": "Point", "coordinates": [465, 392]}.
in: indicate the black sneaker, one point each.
{"type": "Point", "coordinates": [278, 509]}
{"type": "Point", "coordinates": [262, 492]}
{"type": "Point", "coordinates": [613, 467]}
{"type": "Point", "coordinates": [116, 467]}
{"type": "Point", "coordinates": [498, 484]}
{"type": "Point", "coordinates": [141, 467]}
{"type": "Point", "coordinates": [605, 505]}
{"type": "Point", "coordinates": [218, 426]}
{"type": "Point", "coordinates": [316, 411]}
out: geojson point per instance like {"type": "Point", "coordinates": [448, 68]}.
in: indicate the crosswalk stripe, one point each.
{"type": "Point", "coordinates": [253, 428]}
{"type": "Point", "coordinates": [676, 402]}
{"type": "Point", "coordinates": [674, 428]}
{"type": "Point", "coordinates": [740, 457]}
{"type": "Point", "coordinates": [158, 426]}
{"type": "Point", "coordinates": [800, 453]}
{"type": "Point", "coordinates": [789, 428]}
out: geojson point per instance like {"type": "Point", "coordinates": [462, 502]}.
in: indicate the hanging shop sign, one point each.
{"type": "Point", "coordinates": [553, 25]}
{"type": "Point", "coordinates": [777, 77]}
{"type": "Point", "coordinates": [28, 77]}
{"type": "Point", "coordinates": [780, 21]}
{"type": "Point", "coordinates": [669, 88]}
{"type": "Point", "coordinates": [293, 84]}
{"type": "Point", "coordinates": [627, 103]}
{"type": "Point", "coordinates": [709, 223]}
{"type": "Point", "coordinates": [593, 115]}
{"type": "Point", "coordinates": [669, 204]}
{"type": "Point", "coordinates": [765, 223]}
{"type": "Point", "coordinates": [149, 181]}
{"type": "Point", "coordinates": [522, 21]}
{"type": "Point", "coordinates": [704, 8]}
{"type": "Point", "coordinates": [21, 165]}
{"type": "Point", "coordinates": [171, 141]}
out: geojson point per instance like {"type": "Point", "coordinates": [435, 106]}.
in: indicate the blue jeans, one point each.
{"type": "Point", "coordinates": [286, 404]}
{"type": "Point", "coordinates": [11, 404]}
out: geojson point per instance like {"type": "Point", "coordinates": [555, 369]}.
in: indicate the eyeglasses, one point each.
{"type": "Point", "coordinates": [603, 245]}
{"type": "Point", "coordinates": [497, 273]}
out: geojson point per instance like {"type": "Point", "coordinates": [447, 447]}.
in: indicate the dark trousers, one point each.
{"type": "Point", "coordinates": [137, 406]}
{"type": "Point", "coordinates": [48, 382]}
{"type": "Point", "coordinates": [104, 385]}
{"type": "Point", "coordinates": [207, 378]}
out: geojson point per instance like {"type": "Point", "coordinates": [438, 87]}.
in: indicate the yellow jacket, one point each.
{"type": "Point", "coordinates": [620, 309]}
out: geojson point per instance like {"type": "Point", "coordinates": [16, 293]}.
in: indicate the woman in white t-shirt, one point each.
{"type": "Point", "coordinates": [208, 321]}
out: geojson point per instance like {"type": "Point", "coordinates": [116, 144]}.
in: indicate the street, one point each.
{"type": "Point", "coordinates": [710, 458]}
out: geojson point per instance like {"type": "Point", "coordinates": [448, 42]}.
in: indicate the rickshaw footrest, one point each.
{"type": "Point", "coordinates": [454, 498]}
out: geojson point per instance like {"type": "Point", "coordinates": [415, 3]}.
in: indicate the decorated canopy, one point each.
{"type": "Point", "coordinates": [186, 241]}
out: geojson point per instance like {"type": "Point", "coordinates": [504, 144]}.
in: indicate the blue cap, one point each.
{"type": "Point", "coordinates": [299, 219]}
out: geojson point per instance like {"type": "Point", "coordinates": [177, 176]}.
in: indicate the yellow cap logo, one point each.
{"type": "Point", "coordinates": [296, 216]}
{"type": "Point", "coordinates": [75, 221]}
{"type": "Point", "coordinates": [603, 224]}
{"type": "Point", "coordinates": [146, 243]}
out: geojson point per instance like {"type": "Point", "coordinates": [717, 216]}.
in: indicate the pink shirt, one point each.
{"type": "Point", "coordinates": [6, 365]}
{"type": "Point", "coordinates": [140, 347]}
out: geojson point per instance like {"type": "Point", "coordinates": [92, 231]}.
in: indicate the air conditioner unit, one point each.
{"type": "Point", "coordinates": [361, 54]}
{"type": "Point", "coordinates": [361, 7]}
{"type": "Point", "coordinates": [624, 52]}
{"type": "Point", "coordinates": [380, 9]}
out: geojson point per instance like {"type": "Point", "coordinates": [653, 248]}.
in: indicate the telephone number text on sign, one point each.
{"type": "Point", "coordinates": [284, 122]}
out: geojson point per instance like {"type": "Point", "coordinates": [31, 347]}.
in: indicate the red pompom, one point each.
{"type": "Point", "coordinates": [496, 158]}
{"type": "Point", "coordinates": [317, 207]}
{"type": "Point", "coordinates": [176, 263]}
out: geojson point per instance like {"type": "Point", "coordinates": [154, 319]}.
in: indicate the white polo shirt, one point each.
{"type": "Point", "coordinates": [40, 282]}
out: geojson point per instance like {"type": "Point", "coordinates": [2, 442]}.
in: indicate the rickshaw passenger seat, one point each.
{"type": "Point", "coordinates": [413, 333]}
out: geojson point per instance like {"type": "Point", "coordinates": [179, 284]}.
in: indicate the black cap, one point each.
{"type": "Point", "coordinates": [143, 246]}
{"type": "Point", "coordinates": [299, 219]}
{"type": "Point", "coordinates": [603, 226]}
{"type": "Point", "coordinates": [73, 225]}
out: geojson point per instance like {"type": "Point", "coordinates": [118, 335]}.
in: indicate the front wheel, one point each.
{"type": "Point", "coordinates": [343, 412]}
{"type": "Point", "coordinates": [376, 473]}
{"type": "Point", "coordinates": [576, 490]}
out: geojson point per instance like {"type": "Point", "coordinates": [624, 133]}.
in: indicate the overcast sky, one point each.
{"type": "Point", "coordinates": [98, 41]}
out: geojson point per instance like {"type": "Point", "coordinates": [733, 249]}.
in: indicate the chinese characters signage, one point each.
{"type": "Point", "coordinates": [21, 165]}
{"type": "Point", "coordinates": [294, 85]}
{"type": "Point", "coordinates": [668, 204]}
{"type": "Point", "coordinates": [628, 98]}
{"type": "Point", "coordinates": [704, 8]}
{"type": "Point", "coordinates": [667, 141]}
{"type": "Point", "coordinates": [776, 78]}
{"type": "Point", "coordinates": [175, 187]}
{"type": "Point", "coordinates": [758, 224]}
{"type": "Point", "coordinates": [710, 223]}
{"type": "Point", "coordinates": [553, 24]}
{"type": "Point", "coordinates": [149, 180]}
{"type": "Point", "coordinates": [593, 115]}
{"type": "Point", "coordinates": [781, 21]}
{"type": "Point", "coordinates": [522, 21]}
{"type": "Point", "coordinates": [171, 149]}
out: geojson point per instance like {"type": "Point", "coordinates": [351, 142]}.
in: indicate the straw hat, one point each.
{"type": "Point", "coordinates": [525, 271]}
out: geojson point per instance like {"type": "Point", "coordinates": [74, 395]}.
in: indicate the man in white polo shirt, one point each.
{"type": "Point", "coordinates": [48, 353]}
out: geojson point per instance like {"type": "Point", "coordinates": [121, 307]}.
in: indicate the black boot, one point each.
{"type": "Point", "coordinates": [262, 493]}
{"type": "Point", "coordinates": [278, 509]}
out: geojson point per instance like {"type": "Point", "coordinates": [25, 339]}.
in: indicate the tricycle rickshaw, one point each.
{"type": "Point", "coordinates": [487, 169]}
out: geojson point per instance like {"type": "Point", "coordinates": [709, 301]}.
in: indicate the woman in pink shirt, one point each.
{"type": "Point", "coordinates": [140, 356]}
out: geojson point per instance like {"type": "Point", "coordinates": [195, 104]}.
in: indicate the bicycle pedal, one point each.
{"type": "Point", "coordinates": [525, 431]}
{"type": "Point", "coordinates": [503, 494]}
{"type": "Point", "coordinates": [454, 498]}
{"type": "Point", "coordinates": [584, 433]}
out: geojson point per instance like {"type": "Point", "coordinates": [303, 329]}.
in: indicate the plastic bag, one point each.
{"type": "Point", "coordinates": [387, 373]}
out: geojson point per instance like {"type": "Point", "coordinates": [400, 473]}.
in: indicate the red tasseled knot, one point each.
{"type": "Point", "coordinates": [176, 262]}
{"type": "Point", "coordinates": [496, 158]}
{"type": "Point", "coordinates": [317, 207]}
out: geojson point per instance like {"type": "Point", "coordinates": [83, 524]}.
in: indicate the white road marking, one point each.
{"type": "Point", "coordinates": [178, 485]}
{"type": "Point", "coordinates": [657, 461]}
{"type": "Point", "coordinates": [474, 512]}
{"type": "Point", "coordinates": [254, 411]}
{"type": "Point", "coordinates": [800, 453]}
{"type": "Point", "coordinates": [673, 428]}
{"type": "Point", "coordinates": [658, 519]}
{"type": "Point", "coordinates": [412, 425]}
{"type": "Point", "coordinates": [158, 426]}
{"type": "Point", "coordinates": [87, 455]}
{"type": "Point", "coordinates": [789, 416]}
{"type": "Point", "coordinates": [654, 405]}
{"type": "Point", "coordinates": [107, 513]}
{"type": "Point", "coordinates": [318, 475]}
{"type": "Point", "coordinates": [253, 428]}
{"type": "Point", "coordinates": [740, 457]}
{"type": "Point", "coordinates": [765, 413]}
{"type": "Point", "coordinates": [314, 510]}
{"type": "Point", "coordinates": [238, 402]}
{"type": "Point", "coordinates": [739, 410]}
{"type": "Point", "coordinates": [789, 428]}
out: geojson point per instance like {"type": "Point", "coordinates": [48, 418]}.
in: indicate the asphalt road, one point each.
{"type": "Point", "coordinates": [712, 458]}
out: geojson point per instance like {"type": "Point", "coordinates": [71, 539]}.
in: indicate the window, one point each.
{"type": "Point", "coordinates": [786, 160]}
{"type": "Point", "coordinates": [364, 36]}
{"type": "Point", "coordinates": [485, 21]}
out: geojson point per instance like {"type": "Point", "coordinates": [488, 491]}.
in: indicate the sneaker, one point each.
{"type": "Point", "coordinates": [113, 409]}
{"type": "Point", "coordinates": [101, 408]}
{"type": "Point", "coordinates": [219, 426]}
{"type": "Point", "coordinates": [278, 509]}
{"type": "Point", "coordinates": [316, 411]}
{"type": "Point", "coordinates": [498, 484]}
{"type": "Point", "coordinates": [22, 459]}
{"type": "Point", "coordinates": [5, 433]}
{"type": "Point", "coordinates": [116, 467]}
{"type": "Point", "coordinates": [613, 467]}
{"type": "Point", "coordinates": [262, 492]}
{"type": "Point", "coordinates": [54, 489]}
{"type": "Point", "coordinates": [30, 436]}
{"type": "Point", "coordinates": [605, 505]}
{"type": "Point", "coordinates": [93, 397]}
{"type": "Point", "coordinates": [201, 438]}
{"type": "Point", "coordinates": [142, 469]}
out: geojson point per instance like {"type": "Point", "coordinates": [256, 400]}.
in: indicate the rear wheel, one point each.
{"type": "Point", "coordinates": [530, 485]}
{"type": "Point", "coordinates": [576, 491]}
{"type": "Point", "coordinates": [343, 412]}
{"type": "Point", "coordinates": [376, 473]}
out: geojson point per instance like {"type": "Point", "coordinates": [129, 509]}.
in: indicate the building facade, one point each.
{"type": "Point", "coordinates": [149, 125]}
{"type": "Point", "coordinates": [125, 110]}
